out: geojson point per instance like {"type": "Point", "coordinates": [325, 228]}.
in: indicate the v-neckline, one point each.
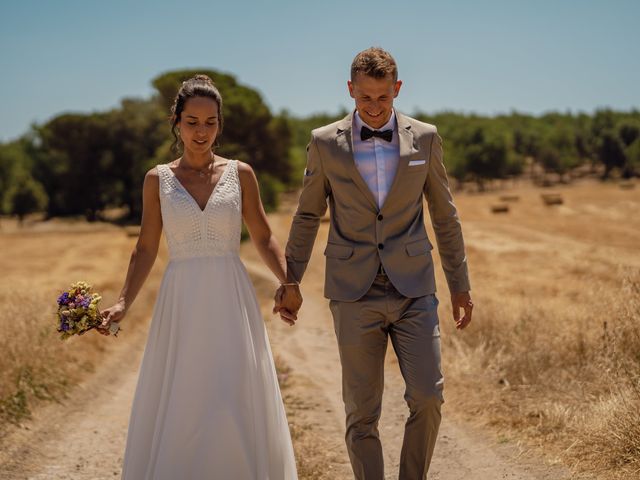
{"type": "Point", "coordinates": [191, 197]}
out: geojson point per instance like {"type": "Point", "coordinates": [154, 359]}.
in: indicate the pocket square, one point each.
{"type": "Point", "coordinates": [413, 163]}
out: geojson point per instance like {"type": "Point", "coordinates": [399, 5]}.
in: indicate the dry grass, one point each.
{"type": "Point", "coordinates": [37, 372]}
{"type": "Point", "coordinates": [554, 352]}
{"type": "Point", "coordinates": [37, 263]}
{"type": "Point", "coordinates": [313, 462]}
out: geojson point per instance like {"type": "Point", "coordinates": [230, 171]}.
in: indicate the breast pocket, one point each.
{"type": "Point", "coordinates": [417, 163]}
{"type": "Point", "coordinates": [416, 170]}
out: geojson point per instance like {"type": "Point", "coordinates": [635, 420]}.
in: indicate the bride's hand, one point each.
{"type": "Point", "coordinates": [113, 314]}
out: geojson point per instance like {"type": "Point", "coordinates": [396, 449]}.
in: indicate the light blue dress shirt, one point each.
{"type": "Point", "coordinates": [376, 159]}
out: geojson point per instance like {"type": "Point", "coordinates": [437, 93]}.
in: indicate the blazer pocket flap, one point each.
{"type": "Point", "coordinates": [419, 247]}
{"type": "Point", "coordinates": [334, 250]}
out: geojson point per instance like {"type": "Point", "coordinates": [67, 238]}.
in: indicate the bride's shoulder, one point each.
{"type": "Point", "coordinates": [154, 172]}
{"type": "Point", "coordinates": [244, 167]}
{"type": "Point", "coordinates": [245, 172]}
{"type": "Point", "coordinates": [153, 175]}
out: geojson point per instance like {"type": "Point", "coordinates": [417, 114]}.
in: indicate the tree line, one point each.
{"type": "Point", "coordinates": [82, 164]}
{"type": "Point", "coordinates": [482, 148]}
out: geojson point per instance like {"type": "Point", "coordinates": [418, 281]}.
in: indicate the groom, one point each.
{"type": "Point", "coordinates": [373, 169]}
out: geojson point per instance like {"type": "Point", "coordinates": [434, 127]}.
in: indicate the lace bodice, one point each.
{"type": "Point", "coordinates": [192, 232]}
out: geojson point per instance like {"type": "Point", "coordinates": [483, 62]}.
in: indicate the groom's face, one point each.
{"type": "Point", "coordinates": [374, 97]}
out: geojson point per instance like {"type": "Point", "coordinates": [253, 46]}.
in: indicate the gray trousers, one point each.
{"type": "Point", "coordinates": [362, 329]}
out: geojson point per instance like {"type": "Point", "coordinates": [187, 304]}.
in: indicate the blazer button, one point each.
{"type": "Point", "coordinates": [380, 217]}
{"type": "Point", "coordinates": [380, 246]}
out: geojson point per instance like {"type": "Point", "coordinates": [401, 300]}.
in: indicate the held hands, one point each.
{"type": "Point", "coordinates": [287, 302]}
{"type": "Point", "coordinates": [461, 300]}
{"type": "Point", "coordinates": [111, 318]}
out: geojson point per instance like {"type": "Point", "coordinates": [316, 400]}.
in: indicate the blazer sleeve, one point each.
{"type": "Point", "coordinates": [311, 208]}
{"type": "Point", "coordinates": [445, 221]}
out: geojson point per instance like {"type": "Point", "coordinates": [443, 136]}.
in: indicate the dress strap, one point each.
{"type": "Point", "coordinates": [165, 178]}
{"type": "Point", "coordinates": [233, 165]}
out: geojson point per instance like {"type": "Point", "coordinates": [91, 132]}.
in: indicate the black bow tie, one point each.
{"type": "Point", "coordinates": [367, 133]}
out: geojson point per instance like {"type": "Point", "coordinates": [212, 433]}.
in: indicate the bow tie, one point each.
{"type": "Point", "coordinates": [367, 133]}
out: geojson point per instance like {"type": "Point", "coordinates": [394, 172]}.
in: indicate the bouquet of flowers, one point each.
{"type": "Point", "coordinates": [78, 311]}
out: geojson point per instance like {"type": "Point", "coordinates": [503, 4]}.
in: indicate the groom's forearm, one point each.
{"type": "Point", "coordinates": [311, 208]}
{"type": "Point", "coordinates": [302, 236]}
{"type": "Point", "coordinates": [445, 221]}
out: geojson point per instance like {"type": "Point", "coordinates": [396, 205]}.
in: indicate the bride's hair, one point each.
{"type": "Point", "coordinates": [197, 86]}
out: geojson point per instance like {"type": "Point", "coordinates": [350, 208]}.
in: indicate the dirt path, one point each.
{"type": "Point", "coordinates": [83, 438]}
{"type": "Point", "coordinates": [463, 452]}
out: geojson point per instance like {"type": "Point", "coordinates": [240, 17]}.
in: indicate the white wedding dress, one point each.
{"type": "Point", "coordinates": [207, 404]}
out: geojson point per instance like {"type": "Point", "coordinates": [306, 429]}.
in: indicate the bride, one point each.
{"type": "Point", "coordinates": [207, 403]}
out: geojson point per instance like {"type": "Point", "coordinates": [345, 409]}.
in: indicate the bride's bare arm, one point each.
{"type": "Point", "coordinates": [144, 253]}
{"type": "Point", "coordinates": [266, 243]}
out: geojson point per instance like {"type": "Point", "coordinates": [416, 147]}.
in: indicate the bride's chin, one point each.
{"type": "Point", "coordinates": [200, 147]}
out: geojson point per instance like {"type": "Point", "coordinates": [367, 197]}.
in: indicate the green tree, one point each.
{"type": "Point", "coordinates": [633, 158]}
{"type": "Point", "coordinates": [610, 151]}
{"type": "Point", "coordinates": [251, 133]}
{"type": "Point", "coordinates": [138, 129]}
{"type": "Point", "coordinates": [75, 164]}
{"type": "Point", "coordinates": [24, 195]}
{"type": "Point", "coordinates": [14, 160]}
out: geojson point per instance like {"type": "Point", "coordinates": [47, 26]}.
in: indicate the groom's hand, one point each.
{"type": "Point", "coordinates": [287, 302]}
{"type": "Point", "coordinates": [461, 300]}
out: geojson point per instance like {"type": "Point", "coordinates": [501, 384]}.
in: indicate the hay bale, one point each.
{"type": "Point", "coordinates": [509, 198]}
{"type": "Point", "coordinates": [552, 199]}
{"type": "Point", "coordinates": [500, 208]}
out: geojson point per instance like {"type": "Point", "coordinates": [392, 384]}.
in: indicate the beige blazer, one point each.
{"type": "Point", "coordinates": [361, 236]}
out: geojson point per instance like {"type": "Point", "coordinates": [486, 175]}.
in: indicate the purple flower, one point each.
{"type": "Point", "coordinates": [63, 299]}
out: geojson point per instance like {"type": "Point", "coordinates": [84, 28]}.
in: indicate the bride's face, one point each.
{"type": "Point", "coordinates": [199, 124]}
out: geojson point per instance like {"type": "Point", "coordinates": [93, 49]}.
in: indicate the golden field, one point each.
{"type": "Point", "coordinates": [38, 262]}
{"type": "Point", "coordinates": [552, 358]}
{"type": "Point", "coordinates": [553, 354]}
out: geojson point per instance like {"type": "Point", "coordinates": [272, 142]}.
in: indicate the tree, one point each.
{"type": "Point", "coordinates": [138, 129]}
{"type": "Point", "coordinates": [25, 195]}
{"type": "Point", "coordinates": [633, 159]}
{"type": "Point", "coordinates": [14, 160]}
{"type": "Point", "coordinates": [251, 133]}
{"type": "Point", "coordinates": [629, 132]}
{"type": "Point", "coordinates": [487, 155]}
{"type": "Point", "coordinates": [611, 151]}
{"type": "Point", "coordinates": [74, 162]}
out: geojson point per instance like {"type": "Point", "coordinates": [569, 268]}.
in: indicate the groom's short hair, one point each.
{"type": "Point", "coordinates": [374, 62]}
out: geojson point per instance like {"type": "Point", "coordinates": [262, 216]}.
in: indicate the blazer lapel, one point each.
{"type": "Point", "coordinates": [345, 146]}
{"type": "Point", "coordinates": [405, 137]}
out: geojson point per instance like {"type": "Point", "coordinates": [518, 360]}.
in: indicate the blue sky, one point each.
{"type": "Point", "coordinates": [485, 57]}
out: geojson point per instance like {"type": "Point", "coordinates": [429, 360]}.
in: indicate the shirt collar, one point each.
{"type": "Point", "coordinates": [359, 123]}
